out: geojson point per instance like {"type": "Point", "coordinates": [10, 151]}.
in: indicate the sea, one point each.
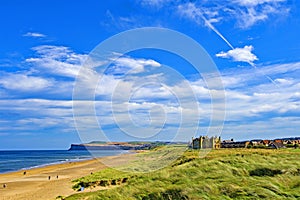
{"type": "Point", "coordinates": [11, 161]}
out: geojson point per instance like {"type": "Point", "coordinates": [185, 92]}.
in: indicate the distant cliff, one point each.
{"type": "Point", "coordinates": [110, 146]}
{"type": "Point", "coordinates": [100, 145]}
{"type": "Point", "coordinates": [93, 147]}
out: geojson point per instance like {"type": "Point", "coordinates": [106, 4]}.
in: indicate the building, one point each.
{"type": "Point", "coordinates": [266, 142]}
{"type": "Point", "coordinates": [232, 144]}
{"type": "Point", "coordinates": [258, 142]}
{"type": "Point", "coordinates": [276, 145]}
{"type": "Point", "coordinates": [205, 142]}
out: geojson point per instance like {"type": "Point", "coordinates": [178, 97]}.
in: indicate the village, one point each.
{"type": "Point", "coordinates": [205, 142]}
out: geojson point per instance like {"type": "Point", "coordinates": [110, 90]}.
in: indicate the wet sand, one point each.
{"type": "Point", "coordinates": [35, 184]}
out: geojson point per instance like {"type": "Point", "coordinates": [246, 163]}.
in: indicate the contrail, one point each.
{"type": "Point", "coordinates": [268, 77]}
{"type": "Point", "coordinates": [207, 23]}
{"type": "Point", "coordinates": [216, 31]}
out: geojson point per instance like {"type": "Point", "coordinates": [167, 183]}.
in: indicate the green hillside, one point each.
{"type": "Point", "coordinates": [221, 174]}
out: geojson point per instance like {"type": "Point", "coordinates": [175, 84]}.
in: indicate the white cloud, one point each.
{"type": "Point", "coordinates": [248, 13]}
{"type": "Point", "coordinates": [250, 17]}
{"type": "Point", "coordinates": [257, 2]}
{"type": "Point", "coordinates": [34, 115]}
{"type": "Point", "coordinates": [240, 54]}
{"type": "Point", "coordinates": [62, 53]}
{"type": "Point", "coordinates": [107, 84]}
{"type": "Point", "coordinates": [34, 34]}
{"type": "Point", "coordinates": [154, 3]}
{"type": "Point", "coordinates": [23, 82]}
{"type": "Point", "coordinates": [282, 68]}
{"type": "Point", "coordinates": [245, 13]}
{"type": "Point", "coordinates": [260, 101]}
{"type": "Point", "coordinates": [52, 70]}
{"type": "Point", "coordinates": [121, 22]}
{"type": "Point", "coordinates": [191, 11]}
{"type": "Point", "coordinates": [58, 60]}
{"type": "Point", "coordinates": [262, 129]}
{"type": "Point", "coordinates": [152, 91]}
{"type": "Point", "coordinates": [284, 81]}
{"type": "Point", "coordinates": [54, 67]}
{"type": "Point", "coordinates": [132, 65]}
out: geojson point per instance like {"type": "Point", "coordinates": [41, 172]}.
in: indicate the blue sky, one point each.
{"type": "Point", "coordinates": [255, 45]}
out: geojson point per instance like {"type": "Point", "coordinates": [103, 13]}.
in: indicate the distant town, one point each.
{"type": "Point", "coordinates": [205, 142]}
{"type": "Point", "coordinates": [202, 142]}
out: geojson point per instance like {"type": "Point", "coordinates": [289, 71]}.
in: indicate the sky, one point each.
{"type": "Point", "coordinates": [147, 94]}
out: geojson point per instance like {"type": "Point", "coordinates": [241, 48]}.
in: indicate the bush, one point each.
{"type": "Point", "coordinates": [264, 172]}
{"type": "Point", "coordinates": [173, 194]}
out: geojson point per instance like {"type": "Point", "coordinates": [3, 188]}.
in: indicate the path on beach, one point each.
{"type": "Point", "coordinates": [35, 184]}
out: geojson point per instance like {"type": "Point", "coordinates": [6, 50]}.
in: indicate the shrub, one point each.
{"type": "Point", "coordinates": [264, 172]}
{"type": "Point", "coordinates": [174, 194]}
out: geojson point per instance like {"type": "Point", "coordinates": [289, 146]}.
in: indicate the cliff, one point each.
{"type": "Point", "coordinates": [100, 145]}
{"type": "Point", "coordinates": [108, 146]}
{"type": "Point", "coordinates": [93, 147]}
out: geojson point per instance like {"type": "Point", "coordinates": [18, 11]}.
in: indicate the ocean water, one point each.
{"type": "Point", "coordinates": [18, 160]}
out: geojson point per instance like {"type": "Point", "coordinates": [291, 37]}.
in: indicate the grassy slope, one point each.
{"type": "Point", "coordinates": [221, 174]}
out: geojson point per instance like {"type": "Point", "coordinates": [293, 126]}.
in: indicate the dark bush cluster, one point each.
{"type": "Point", "coordinates": [102, 183]}
{"type": "Point", "coordinates": [174, 194]}
{"type": "Point", "coordinates": [264, 172]}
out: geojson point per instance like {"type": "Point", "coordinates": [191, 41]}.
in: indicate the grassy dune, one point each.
{"type": "Point", "coordinates": [221, 174]}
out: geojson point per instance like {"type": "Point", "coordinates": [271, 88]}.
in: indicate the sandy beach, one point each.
{"type": "Point", "coordinates": [35, 184]}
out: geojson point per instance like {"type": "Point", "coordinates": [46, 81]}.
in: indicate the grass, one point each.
{"type": "Point", "coordinates": [221, 174]}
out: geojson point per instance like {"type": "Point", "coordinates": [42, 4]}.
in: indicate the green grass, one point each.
{"type": "Point", "coordinates": [221, 174]}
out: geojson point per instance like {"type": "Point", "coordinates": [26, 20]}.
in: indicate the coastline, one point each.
{"type": "Point", "coordinates": [27, 169]}
{"type": "Point", "coordinates": [35, 184]}
{"type": "Point", "coordinates": [42, 158]}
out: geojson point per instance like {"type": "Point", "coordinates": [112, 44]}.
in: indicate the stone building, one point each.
{"type": "Point", "coordinates": [205, 142]}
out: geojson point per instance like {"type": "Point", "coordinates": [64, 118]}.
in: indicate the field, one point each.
{"type": "Point", "coordinates": [218, 174]}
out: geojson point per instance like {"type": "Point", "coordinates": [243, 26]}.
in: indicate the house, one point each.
{"type": "Point", "coordinates": [228, 141]}
{"type": "Point", "coordinates": [205, 142]}
{"type": "Point", "coordinates": [256, 142]}
{"type": "Point", "coordinates": [278, 141]}
{"type": "Point", "coordinates": [276, 145]}
{"type": "Point", "coordinates": [266, 142]}
{"type": "Point", "coordinates": [231, 144]}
